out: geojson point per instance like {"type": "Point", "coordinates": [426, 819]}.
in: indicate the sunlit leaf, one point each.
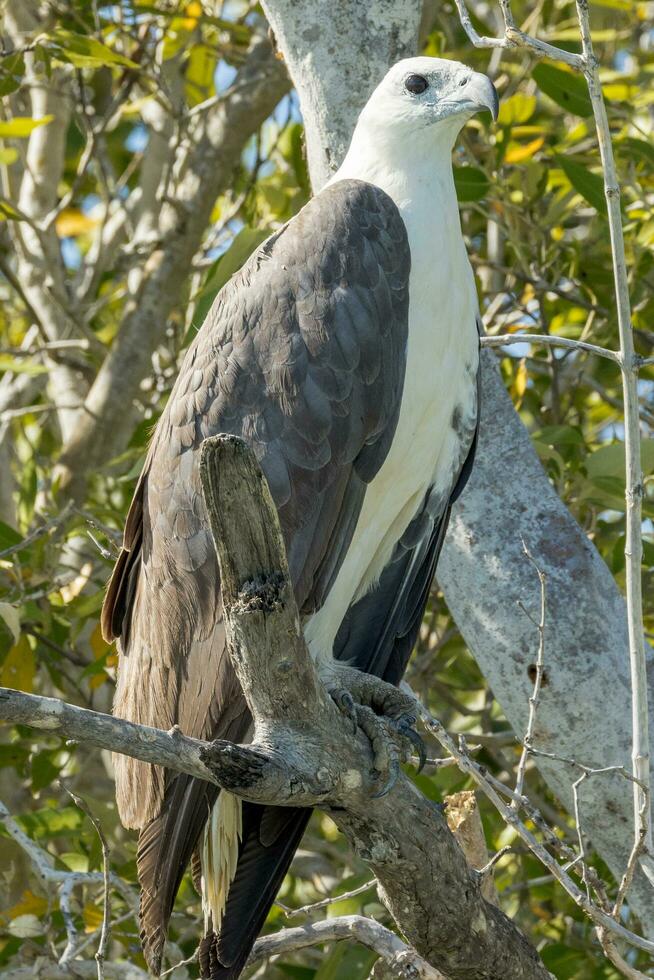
{"type": "Point", "coordinates": [87, 52]}
{"type": "Point", "coordinates": [73, 222]}
{"type": "Point", "coordinates": [21, 126]}
{"type": "Point", "coordinates": [11, 616]}
{"type": "Point", "coordinates": [47, 823]}
{"type": "Point", "coordinates": [518, 152]}
{"type": "Point", "coordinates": [17, 669]}
{"type": "Point", "coordinates": [199, 74]}
{"type": "Point", "coordinates": [92, 915]}
{"type": "Point", "coordinates": [517, 109]}
{"type": "Point", "coordinates": [21, 365]}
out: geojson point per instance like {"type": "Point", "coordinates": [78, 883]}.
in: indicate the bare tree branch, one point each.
{"type": "Point", "coordinates": [365, 931]}
{"type": "Point", "coordinates": [215, 143]}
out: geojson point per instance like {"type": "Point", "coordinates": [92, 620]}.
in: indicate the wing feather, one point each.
{"type": "Point", "coordinates": [302, 355]}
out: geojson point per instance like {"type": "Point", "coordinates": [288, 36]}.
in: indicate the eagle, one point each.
{"type": "Point", "coordinates": [345, 352]}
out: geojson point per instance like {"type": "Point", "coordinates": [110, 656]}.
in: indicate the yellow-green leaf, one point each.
{"type": "Point", "coordinates": [87, 52]}
{"type": "Point", "coordinates": [517, 109]}
{"type": "Point", "coordinates": [17, 669]}
{"type": "Point", "coordinates": [21, 126]}
{"type": "Point", "coordinates": [11, 616]}
{"type": "Point", "coordinates": [28, 904]}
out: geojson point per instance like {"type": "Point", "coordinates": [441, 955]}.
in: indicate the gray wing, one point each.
{"type": "Point", "coordinates": [302, 355]}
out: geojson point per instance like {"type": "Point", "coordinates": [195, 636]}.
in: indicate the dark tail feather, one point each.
{"type": "Point", "coordinates": [271, 836]}
{"type": "Point", "coordinates": [166, 845]}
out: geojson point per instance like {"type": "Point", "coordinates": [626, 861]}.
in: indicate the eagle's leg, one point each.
{"type": "Point", "coordinates": [385, 714]}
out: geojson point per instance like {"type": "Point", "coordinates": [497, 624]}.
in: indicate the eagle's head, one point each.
{"type": "Point", "coordinates": [420, 94]}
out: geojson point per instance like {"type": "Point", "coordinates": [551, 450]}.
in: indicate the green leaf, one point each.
{"type": "Point", "coordinates": [9, 213]}
{"type": "Point", "coordinates": [584, 181]}
{"type": "Point", "coordinates": [557, 435]}
{"type": "Point", "coordinates": [8, 537]}
{"type": "Point", "coordinates": [85, 605]}
{"type": "Point", "coordinates": [21, 126]}
{"type": "Point", "coordinates": [19, 365]}
{"type": "Point", "coordinates": [563, 87]}
{"type": "Point", "coordinates": [14, 755]}
{"type": "Point", "coordinates": [44, 770]}
{"type": "Point", "coordinates": [640, 149]}
{"type": "Point", "coordinates": [295, 971]}
{"type": "Point", "coordinates": [12, 70]}
{"type": "Point", "coordinates": [48, 823]}
{"type": "Point", "coordinates": [471, 183]}
{"type": "Point", "coordinates": [86, 52]}
{"type": "Point", "coordinates": [609, 461]}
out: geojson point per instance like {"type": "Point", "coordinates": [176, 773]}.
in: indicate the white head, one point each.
{"type": "Point", "coordinates": [429, 96]}
{"type": "Point", "coordinates": [417, 111]}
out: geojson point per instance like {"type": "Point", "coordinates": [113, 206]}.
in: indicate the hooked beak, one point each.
{"type": "Point", "coordinates": [480, 93]}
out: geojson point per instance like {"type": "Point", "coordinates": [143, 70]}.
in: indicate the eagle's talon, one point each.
{"type": "Point", "coordinates": [385, 752]}
{"type": "Point", "coordinates": [406, 727]}
{"type": "Point", "coordinates": [345, 704]}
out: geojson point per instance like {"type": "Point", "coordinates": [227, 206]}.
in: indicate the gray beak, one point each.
{"type": "Point", "coordinates": [482, 94]}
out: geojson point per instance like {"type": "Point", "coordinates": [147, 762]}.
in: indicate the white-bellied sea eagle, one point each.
{"type": "Point", "coordinates": [346, 353]}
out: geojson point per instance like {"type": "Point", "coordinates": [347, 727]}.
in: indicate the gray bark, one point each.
{"type": "Point", "coordinates": [336, 54]}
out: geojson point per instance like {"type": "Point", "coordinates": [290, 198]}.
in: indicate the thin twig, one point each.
{"type": "Point", "coordinates": [105, 933]}
{"type": "Point", "coordinates": [324, 902]}
{"type": "Point", "coordinates": [547, 340]}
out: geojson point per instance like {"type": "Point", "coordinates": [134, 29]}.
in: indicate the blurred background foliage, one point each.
{"type": "Point", "coordinates": [533, 215]}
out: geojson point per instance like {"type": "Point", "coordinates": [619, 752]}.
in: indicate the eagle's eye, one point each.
{"type": "Point", "coordinates": [415, 84]}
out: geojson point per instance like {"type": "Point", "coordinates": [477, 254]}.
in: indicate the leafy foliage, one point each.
{"type": "Point", "coordinates": [534, 180]}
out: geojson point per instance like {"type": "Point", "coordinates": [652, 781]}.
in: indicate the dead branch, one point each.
{"type": "Point", "coordinates": [304, 752]}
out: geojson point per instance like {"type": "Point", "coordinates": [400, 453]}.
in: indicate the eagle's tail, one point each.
{"type": "Point", "coordinates": [270, 837]}
{"type": "Point", "coordinates": [166, 845]}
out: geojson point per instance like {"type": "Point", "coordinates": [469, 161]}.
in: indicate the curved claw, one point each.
{"type": "Point", "coordinates": [406, 727]}
{"type": "Point", "coordinates": [394, 772]}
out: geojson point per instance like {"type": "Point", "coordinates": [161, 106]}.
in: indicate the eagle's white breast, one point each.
{"type": "Point", "coordinates": [439, 396]}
